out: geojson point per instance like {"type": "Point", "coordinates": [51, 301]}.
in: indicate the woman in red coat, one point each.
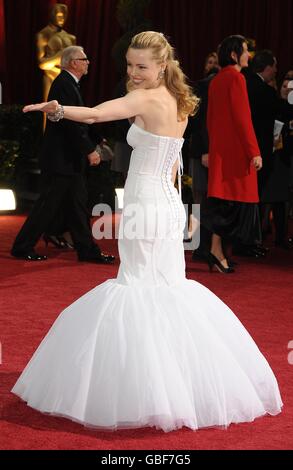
{"type": "Point", "coordinates": [234, 155]}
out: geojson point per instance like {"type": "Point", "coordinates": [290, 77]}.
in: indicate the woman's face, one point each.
{"type": "Point", "coordinates": [211, 63]}
{"type": "Point", "coordinates": [284, 91]}
{"type": "Point", "coordinates": [142, 70]}
{"type": "Point", "coordinates": [244, 58]}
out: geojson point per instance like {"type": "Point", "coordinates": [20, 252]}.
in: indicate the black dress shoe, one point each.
{"type": "Point", "coordinates": [109, 257]}
{"type": "Point", "coordinates": [97, 258]}
{"type": "Point", "coordinates": [249, 252]}
{"type": "Point", "coordinates": [29, 256]}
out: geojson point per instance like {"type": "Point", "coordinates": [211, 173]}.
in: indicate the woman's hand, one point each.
{"type": "Point", "coordinates": [46, 107]}
{"type": "Point", "coordinates": [257, 163]}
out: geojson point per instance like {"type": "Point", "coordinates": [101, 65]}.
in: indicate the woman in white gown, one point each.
{"type": "Point", "coordinates": [150, 348]}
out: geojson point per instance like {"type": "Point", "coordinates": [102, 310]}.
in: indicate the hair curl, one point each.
{"type": "Point", "coordinates": [174, 78]}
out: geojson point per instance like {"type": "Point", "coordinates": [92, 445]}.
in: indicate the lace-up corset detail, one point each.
{"type": "Point", "coordinates": [153, 158]}
{"type": "Point", "coordinates": [153, 155]}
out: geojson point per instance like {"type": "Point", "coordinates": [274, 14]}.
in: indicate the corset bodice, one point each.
{"type": "Point", "coordinates": [153, 155]}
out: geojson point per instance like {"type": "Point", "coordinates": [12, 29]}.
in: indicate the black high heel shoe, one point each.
{"type": "Point", "coordinates": [67, 245]}
{"type": "Point", "coordinates": [58, 242]}
{"type": "Point", "coordinates": [54, 241]}
{"type": "Point", "coordinates": [213, 261]}
{"type": "Point", "coordinates": [231, 262]}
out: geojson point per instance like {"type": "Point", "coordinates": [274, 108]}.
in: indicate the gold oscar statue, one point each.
{"type": "Point", "coordinates": [51, 41]}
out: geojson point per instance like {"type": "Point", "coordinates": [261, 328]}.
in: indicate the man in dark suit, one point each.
{"type": "Point", "coordinates": [65, 152]}
{"type": "Point", "coordinates": [263, 100]}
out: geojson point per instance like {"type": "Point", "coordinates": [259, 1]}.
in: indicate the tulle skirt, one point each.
{"type": "Point", "coordinates": [129, 356]}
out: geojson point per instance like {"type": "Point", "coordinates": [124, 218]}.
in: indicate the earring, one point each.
{"type": "Point", "coordinates": [161, 74]}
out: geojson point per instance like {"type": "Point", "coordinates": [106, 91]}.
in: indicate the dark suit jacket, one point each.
{"type": "Point", "coordinates": [276, 187]}
{"type": "Point", "coordinates": [66, 143]}
{"type": "Point", "coordinates": [199, 132]}
{"type": "Point", "coordinates": [264, 107]}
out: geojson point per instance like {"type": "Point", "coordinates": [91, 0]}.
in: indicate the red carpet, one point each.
{"type": "Point", "coordinates": [33, 294]}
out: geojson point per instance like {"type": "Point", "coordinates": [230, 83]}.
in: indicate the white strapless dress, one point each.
{"type": "Point", "coordinates": [150, 348]}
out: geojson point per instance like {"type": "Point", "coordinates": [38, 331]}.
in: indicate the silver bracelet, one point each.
{"type": "Point", "coordinates": [59, 114]}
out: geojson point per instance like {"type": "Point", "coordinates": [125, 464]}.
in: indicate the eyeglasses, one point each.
{"type": "Point", "coordinates": [84, 58]}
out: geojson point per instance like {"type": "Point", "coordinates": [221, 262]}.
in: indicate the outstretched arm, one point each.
{"type": "Point", "coordinates": [129, 106]}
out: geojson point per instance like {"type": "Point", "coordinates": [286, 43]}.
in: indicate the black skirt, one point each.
{"type": "Point", "coordinates": [233, 220]}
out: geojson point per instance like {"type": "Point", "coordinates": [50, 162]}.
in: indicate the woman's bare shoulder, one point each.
{"type": "Point", "coordinates": [139, 94]}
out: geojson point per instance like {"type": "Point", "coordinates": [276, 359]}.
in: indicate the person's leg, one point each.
{"type": "Point", "coordinates": [57, 233]}
{"type": "Point", "coordinates": [79, 218]}
{"type": "Point", "coordinates": [265, 210]}
{"type": "Point", "coordinates": [248, 242]}
{"type": "Point", "coordinates": [43, 212]}
{"type": "Point", "coordinates": [280, 222]}
{"type": "Point", "coordinates": [58, 224]}
{"type": "Point", "coordinates": [217, 249]}
{"type": "Point", "coordinates": [205, 235]}
{"type": "Point", "coordinates": [199, 188]}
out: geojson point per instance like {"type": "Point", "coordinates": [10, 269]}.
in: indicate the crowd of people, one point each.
{"type": "Point", "coordinates": [238, 208]}
{"type": "Point", "coordinates": [267, 107]}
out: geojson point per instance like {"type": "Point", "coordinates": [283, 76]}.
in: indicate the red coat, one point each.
{"type": "Point", "coordinates": [232, 139]}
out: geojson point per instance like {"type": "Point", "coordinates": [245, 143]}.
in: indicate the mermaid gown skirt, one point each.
{"type": "Point", "coordinates": [150, 348]}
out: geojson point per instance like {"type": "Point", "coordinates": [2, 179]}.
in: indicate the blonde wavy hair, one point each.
{"type": "Point", "coordinates": [174, 78]}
